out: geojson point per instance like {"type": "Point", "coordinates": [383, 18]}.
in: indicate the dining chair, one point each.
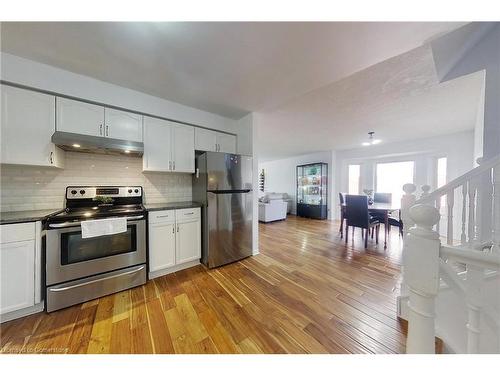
{"type": "Point", "coordinates": [357, 216]}
{"type": "Point", "coordinates": [393, 222]}
{"type": "Point", "coordinates": [382, 197]}
{"type": "Point", "coordinates": [342, 213]}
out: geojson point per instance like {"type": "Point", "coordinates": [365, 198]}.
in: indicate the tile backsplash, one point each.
{"type": "Point", "coordinates": [33, 188]}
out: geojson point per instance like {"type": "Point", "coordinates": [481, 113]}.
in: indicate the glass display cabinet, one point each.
{"type": "Point", "coordinates": [312, 190]}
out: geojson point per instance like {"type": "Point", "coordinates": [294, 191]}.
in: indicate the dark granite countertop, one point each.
{"type": "Point", "coordinates": [13, 217]}
{"type": "Point", "coordinates": [171, 205]}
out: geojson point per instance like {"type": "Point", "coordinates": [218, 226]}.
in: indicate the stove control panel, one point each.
{"type": "Point", "coordinates": [90, 192]}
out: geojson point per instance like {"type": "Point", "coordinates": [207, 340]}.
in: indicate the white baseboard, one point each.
{"type": "Point", "coordinates": [178, 267]}
{"type": "Point", "coordinates": [22, 313]}
{"type": "Point", "coordinates": [402, 306]}
{"type": "Point", "coordinates": [255, 252]}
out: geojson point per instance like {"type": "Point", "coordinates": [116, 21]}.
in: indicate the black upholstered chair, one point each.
{"type": "Point", "coordinates": [382, 198]}
{"type": "Point", "coordinates": [393, 222]}
{"type": "Point", "coordinates": [342, 213]}
{"type": "Point", "coordinates": [357, 216]}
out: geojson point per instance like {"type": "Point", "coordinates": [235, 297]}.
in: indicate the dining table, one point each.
{"type": "Point", "coordinates": [384, 210]}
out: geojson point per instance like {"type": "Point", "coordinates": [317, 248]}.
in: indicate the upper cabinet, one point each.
{"type": "Point", "coordinates": [123, 125]}
{"type": "Point", "coordinates": [79, 117]}
{"type": "Point", "coordinates": [210, 140]}
{"type": "Point", "coordinates": [205, 140]}
{"type": "Point", "coordinates": [168, 147]}
{"type": "Point", "coordinates": [90, 119]}
{"type": "Point", "coordinates": [28, 122]}
{"type": "Point", "coordinates": [226, 143]}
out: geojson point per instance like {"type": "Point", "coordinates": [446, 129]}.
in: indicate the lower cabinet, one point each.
{"type": "Point", "coordinates": [174, 240]}
{"type": "Point", "coordinates": [20, 270]}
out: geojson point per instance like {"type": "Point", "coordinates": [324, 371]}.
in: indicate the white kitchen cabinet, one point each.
{"type": "Point", "coordinates": [157, 142]}
{"type": "Point", "coordinates": [20, 270]}
{"type": "Point", "coordinates": [80, 118]}
{"type": "Point", "coordinates": [205, 140]}
{"type": "Point", "coordinates": [188, 245]}
{"type": "Point", "coordinates": [28, 122]}
{"type": "Point", "coordinates": [73, 116]}
{"type": "Point", "coordinates": [210, 140]}
{"type": "Point", "coordinates": [183, 148]}
{"type": "Point", "coordinates": [226, 143]}
{"type": "Point", "coordinates": [174, 240]}
{"type": "Point", "coordinates": [168, 147]}
{"type": "Point", "coordinates": [161, 245]}
{"type": "Point", "coordinates": [122, 125]}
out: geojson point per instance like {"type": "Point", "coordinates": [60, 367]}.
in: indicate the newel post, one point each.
{"type": "Point", "coordinates": [421, 273]}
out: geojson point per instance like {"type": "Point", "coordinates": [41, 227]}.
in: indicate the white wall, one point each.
{"type": "Point", "coordinates": [458, 148]}
{"type": "Point", "coordinates": [484, 54]}
{"type": "Point", "coordinates": [34, 188]}
{"type": "Point", "coordinates": [280, 175]}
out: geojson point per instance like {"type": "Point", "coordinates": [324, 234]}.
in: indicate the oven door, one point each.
{"type": "Point", "coordinates": [70, 257]}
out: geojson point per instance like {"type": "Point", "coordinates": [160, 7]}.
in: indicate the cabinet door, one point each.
{"type": "Point", "coordinates": [28, 122]}
{"type": "Point", "coordinates": [188, 238]}
{"type": "Point", "coordinates": [78, 117]}
{"type": "Point", "coordinates": [17, 275]}
{"type": "Point", "coordinates": [123, 125]}
{"type": "Point", "coordinates": [157, 145]}
{"type": "Point", "coordinates": [226, 143]}
{"type": "Point", "coordinates": [161, 246]}
{"type": "Point", "coordinates": [183, 149]}
{"type": "Point", "coordinates": [205, 140]}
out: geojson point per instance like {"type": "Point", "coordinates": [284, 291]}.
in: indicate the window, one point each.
{"type": "Point", "coordinates": [353, 178]}
{"type": "Point", "coordinates": [392, 176]}
{"type": "Point", "coordinates": [441, 177]}
{"type": "Point", "coordinates": [441, 172]}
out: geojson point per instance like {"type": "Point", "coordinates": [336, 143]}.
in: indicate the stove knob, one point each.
{"type": "Point", "coordinates": [129, 191]}
{"type": "Point", "coordinates": [82, 192]}
{"type": "Point", "coordinates": [73, 192]}
{"type": "Point", "coordinates": [136, 190]}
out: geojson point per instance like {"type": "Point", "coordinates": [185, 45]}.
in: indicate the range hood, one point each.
{"type": "Point", "coordinates": [94, 144]}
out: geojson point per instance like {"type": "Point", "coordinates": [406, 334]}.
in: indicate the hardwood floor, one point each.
{"type": "Point", "coordinates": [307, 292]}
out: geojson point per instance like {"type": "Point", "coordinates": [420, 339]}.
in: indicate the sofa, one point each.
{"type": "Point", "coordinates": [273, 207]}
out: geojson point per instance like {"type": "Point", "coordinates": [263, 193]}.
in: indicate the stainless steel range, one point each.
{"type": "Point", "coordinates": [80, 269]}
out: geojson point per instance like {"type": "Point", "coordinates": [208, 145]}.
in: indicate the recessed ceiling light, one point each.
{"type": "Point", "coordinates": [366, 144]}
{"type": "Point", "coordinates": [76, 145]}
{"type": "Point", "coordinates": [375, 141]}
{"type": "Point", "coordinates": [127, 151]}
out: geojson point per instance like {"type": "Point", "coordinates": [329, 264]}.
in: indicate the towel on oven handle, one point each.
{"type": "Point", "coordinates": [103, 227]}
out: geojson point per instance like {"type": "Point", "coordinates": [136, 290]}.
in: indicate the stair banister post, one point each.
{"type": "Point", "coordinates": [496, 209]}
{"type": "Point", "coordinates": [407, 201]}
{"type": "Point", "coordinates": [425, 191]}
{"type": "Point", "coordinates": [421, 274]}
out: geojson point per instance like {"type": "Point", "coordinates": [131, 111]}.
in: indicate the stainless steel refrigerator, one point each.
{"type": "Point", "coordinates": [223, 184]}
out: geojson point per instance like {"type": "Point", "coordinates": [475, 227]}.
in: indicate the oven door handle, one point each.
{"type": "Point", "coordinates": [76, 223]}
{"type": "Point", "coordinates": [93, 281]}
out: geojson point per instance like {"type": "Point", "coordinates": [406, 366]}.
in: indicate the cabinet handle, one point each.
{"type": "Point", "coordinates": [107, 130]}
{"type": "Point", "coordinates": [100, 129]}
{"type": "Point", "coordinates": [173, 229]}
{"type": "Point", "coordinates": [173, 165]}
{"type": "Point", "coordinates": [50, 157]}
{"type": "Point", "coordinates": [177, 228]}
{"type": "Point", "coordinates": [162, 216]}
{"type": "Point", "coordinates": [169, 165]}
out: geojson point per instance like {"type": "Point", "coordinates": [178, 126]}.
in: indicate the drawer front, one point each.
{"type": "Point", "coordinates": [165, 216]}
{"type": "Point", "coordinates": [17, 232]}
{"type": "Point", "coordinates": [187, 214]}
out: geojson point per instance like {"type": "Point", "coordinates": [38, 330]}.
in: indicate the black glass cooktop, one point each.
{"type": "Point", "coordinates": [95, 212]}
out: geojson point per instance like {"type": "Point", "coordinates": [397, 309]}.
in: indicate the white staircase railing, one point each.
{"type": "Point", "coordinates": [464, 255]}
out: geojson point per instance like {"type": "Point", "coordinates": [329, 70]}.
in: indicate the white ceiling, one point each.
{"type": "Point", "coordinates": [226, 68]}
{"type": "Point", "coordinates": [319, 86]}
{"type": "Point", "coordinates": [399, 99]}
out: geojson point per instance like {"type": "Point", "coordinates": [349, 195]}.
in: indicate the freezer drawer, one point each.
{"type": "Point", "coordinates": [229, 226]}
